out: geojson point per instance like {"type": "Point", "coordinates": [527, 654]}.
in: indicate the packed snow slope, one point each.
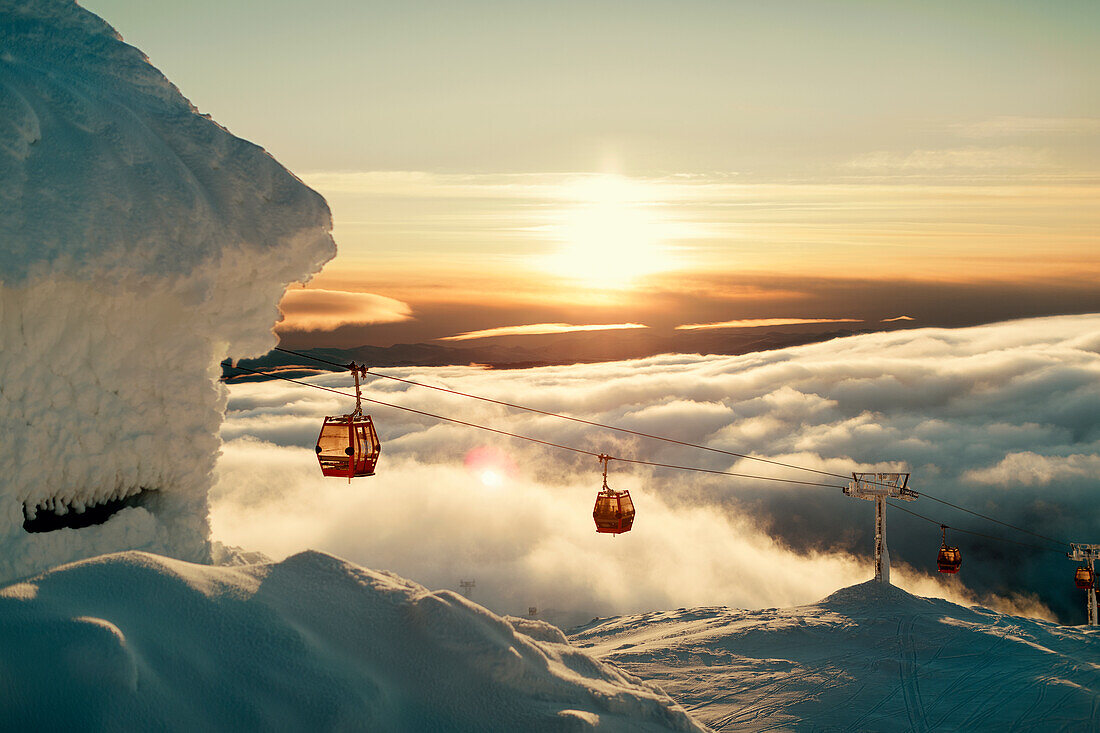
{"type": "Point", "coordinates": [135, 641]}
{"type": "Point", "coordinates": [140, 244]}
{"type": "Point", "coordinates": [867, 658]}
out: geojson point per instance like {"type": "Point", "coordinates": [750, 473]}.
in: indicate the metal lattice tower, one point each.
{"type": "Point", "coordinates": [878, 487]}
{"type": "Point", "coordinates": [1087, 554]}
{"type": "Point", "coordinates": [467, 586]}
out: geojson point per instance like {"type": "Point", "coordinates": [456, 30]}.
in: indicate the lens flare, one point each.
{"type": "Point", "coordinates": [490, 466]}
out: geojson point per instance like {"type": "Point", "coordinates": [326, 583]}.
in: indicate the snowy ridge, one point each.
{"type": "Point", "coordinates": [868, 657]}
{"type": "Point", "coordinates": [140, 244]}
{"type": "Point", "coordinates": [139, 642]}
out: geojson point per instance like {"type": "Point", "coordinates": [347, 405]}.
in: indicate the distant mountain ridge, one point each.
{"type": "Point", "coordinates": [555, 350]}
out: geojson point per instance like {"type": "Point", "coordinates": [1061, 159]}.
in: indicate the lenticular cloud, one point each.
{"type": "Point", "coordinates": [140, 244]}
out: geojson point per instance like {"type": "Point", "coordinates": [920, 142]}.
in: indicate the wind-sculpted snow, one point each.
{"type": "Point", "coordinates": [868, 658]}
{"type": "Point", "coordinates": [1004, 419]}
{"type": "Point", "coordinates": [140, 243]}
{"type": "Point", "coordinates": [134, 641]}
{"type": "Point", "coordinates": [107, 171]}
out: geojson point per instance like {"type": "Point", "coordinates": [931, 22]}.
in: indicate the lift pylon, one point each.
{"type": "Point", "coordinates": [1086, 555]}
{"type": "Point", "coordinates": [878, 487]}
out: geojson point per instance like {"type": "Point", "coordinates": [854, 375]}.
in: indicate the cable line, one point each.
{"type": "Point", "coordinates": [533, 440]}
{"type": "Point", "coordinates": [573, 419]}
{"type": "Point", "coordinates": [418, 412]}
{"type": "Point", "coordinates": [967, 531]}
{"type": "Point", "coordinates": [649, 436]}
{"type": "Point", "coordinates": [728, 473]}
{"type": "Point", "coordinates": [991, 519]}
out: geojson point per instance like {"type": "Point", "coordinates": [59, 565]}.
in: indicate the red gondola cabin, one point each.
{"type": "Point", "coordinates": [949, 560]}
{"type": "Point", "coordinates": [1083, 578]}
{"type": "Point", "coordinates": [348, 446]}
{"type": "Point", "coordinates": [614, 511]}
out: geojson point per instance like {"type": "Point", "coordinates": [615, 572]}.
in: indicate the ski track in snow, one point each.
{"type": "Point", "coordinates": [907, 670]}
{"type": "Point", "coordinates": [865, 659]}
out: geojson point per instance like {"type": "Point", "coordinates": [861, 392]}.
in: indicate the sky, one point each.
{"type": "Point", "coordinates": [499, 165]}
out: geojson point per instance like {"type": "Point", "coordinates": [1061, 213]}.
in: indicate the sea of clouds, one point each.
{"type": "Point", "coordinates": [1004, 419]}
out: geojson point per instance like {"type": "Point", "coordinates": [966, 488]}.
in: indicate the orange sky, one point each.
{"type": "Point", "coordinates": [493, 164]}
{"type": "Point", "coordinates": [609, 249]}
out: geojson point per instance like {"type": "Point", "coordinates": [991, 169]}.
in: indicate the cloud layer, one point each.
{"type": "Point", "coordinates": [975, 158]}
{"type": "Point", "coordinates": [952, 406]}
{"type": "Point", "coordinates": [762, 322]}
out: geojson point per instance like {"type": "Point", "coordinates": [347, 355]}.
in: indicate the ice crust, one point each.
{"type": "Point", "coordinates": [140, 244]}
{"type": "Point", "coordinates": [133, 641]}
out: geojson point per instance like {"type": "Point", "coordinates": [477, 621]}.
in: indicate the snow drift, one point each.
{"type": "Point", "coordinates": [140, 243]}
{"type": "Point", "coordinates": [133, 641]}
{"type": "Point", "coordinates": [869, 657]}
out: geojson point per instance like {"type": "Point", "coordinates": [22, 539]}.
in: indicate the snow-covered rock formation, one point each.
{"type": "Point", "coordinates": [133, 641]}
{"type": "Point", "coordinates": [140, 243]}
{"type": "Point", "coordinates": [870, 657]}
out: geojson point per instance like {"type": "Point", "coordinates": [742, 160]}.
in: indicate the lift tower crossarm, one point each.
{"type": "Point", "coordinates": [878, 487]}
{"type": "Point", "coordinates": [1088, 554]}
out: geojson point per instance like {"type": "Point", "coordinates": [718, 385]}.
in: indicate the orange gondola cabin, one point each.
{"type": "Point", "coordinates": [348, 445]}
{"type": "Point", "coordinates": [614, 510]}
{"type": "Point", "coordinates": [949, 559]}
{"type": "Point", "coordinates": [1084, 578]}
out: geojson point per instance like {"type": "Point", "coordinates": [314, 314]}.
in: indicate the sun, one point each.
{"type": "Point", "coordinates": [614, 232]}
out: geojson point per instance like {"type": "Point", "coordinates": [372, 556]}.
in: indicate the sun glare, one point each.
{"type": "Point", "coordinates": [491, 467]}
{"type": "Point", "coordinates": [492, 479]}
{"type": "Point", "coordinates": [614, 232]}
